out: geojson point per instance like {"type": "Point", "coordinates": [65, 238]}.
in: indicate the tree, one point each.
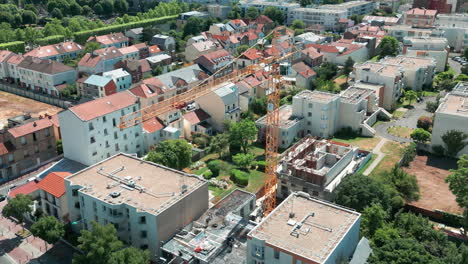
{"type": "Point", "coordinates": [348, 67]}
{"type": "Point", "coordinates": [158, 70]}
{"type": "Point", "coordinates": [56, 13]}
{"type": "Point", "coordinates": [241, 49]}
{"type": "Point", "coordinates": [406, 184]}
{"type": "Point", "coordinates": [129, 255]}
{"type": "Point", "coordinates": [327, 71]}
{"type": "Point", "coordinates": [193, 26]}
{"type": "Point", "coordinates": [121, 6]}
{"type": "Point", "coordinates": [424, 122]}
{"type": "Point", "coordinates": [98, 9]}
{"type": "Point", "coordinates": [420, 135]}
{"type": "Point", "coordinates": [49, 229]}
{"type": "Point", "coordinates": [29, 17]}
{"type": "Point", "coordinates": [235, 13]}
{"type": "Point", "coordinates": [59, 147]}
{"type": "Point", "coordinates": [243, 133]}
{"type": "Point", "coordinates": [259, 106]}
{"type": "Point", "coordinates": [388, 46]}
{"type": "Point", "coordinates": [90, 47]}
{"type": "Point", "coordinates": [408, 154]}
{"type": "Point", "coordinates": [75, 9]}
{"type": "Point", "coordinates": [244, 161]}
{"type": "Point", "coordinates": [298, 24]}
{"type": "Point", "coordinates": [373, 218]}
{"type": "Point", "coordinates": [274, 14]}
{"type": "Point", "coordinates": [457, 181]}
{"type": "Point", "coordinates": [18, 206]}
{"type": "Point", "coordinates": [359, 192]}
{"type": "Point", "coordinates": [357, 18]}
{"type": "Point", "coordinates": [219, 144]}
{"type": "Point", "coordinates": [108, 7]}
{"type": "Point", "coordinates": [305, 3]}
{"type": "Point", "coordinates": [176, 154]}
{"type": "Point", "coordinates": [97, 245]}
{"type": "Point", "coordinates": [411, 96]}
{"type": "Point", "coordinates": [454, 141]}
{"type": "Point", "coordinates": [252, 12]}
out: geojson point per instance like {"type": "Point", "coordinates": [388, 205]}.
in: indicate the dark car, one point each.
{"type": "Point", "coordinates": [2, 198]}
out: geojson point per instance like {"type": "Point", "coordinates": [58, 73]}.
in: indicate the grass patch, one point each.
{"type": "Point", "coordinates": [400, 131]}
{"type": "Point", "coordinates": [200, 171]}
{"type": "Point", "coordinates": [364, 143]}
{"type": "Point", "coordinates": [363, 169]}
{"type": "Point", "coordinates": [393, 152]}
{"type": "Point", "coordinates": [256, 181]}
{"type": "Point", "coordinates": [398, 114]}
{"type": "Point", "coordinates": [429, 94]}
{"type": "Point", "coordinates": [375, 58]}
{"type": "Point", "coordinates": [377, 123]}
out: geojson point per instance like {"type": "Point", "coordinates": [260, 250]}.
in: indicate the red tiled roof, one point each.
{"type": "Point", "coordinates": [145, 66]}
{"type": "Point", "coordinates": [109, 38]}
{"type": "Point", "coordinates": [324, 48]}
{"type": "Point", "coordinates": [146, 90]}
{"type": "Point", "coordinates": [221, 37]}
{"type": "Point", "coordinates": [303, 69]}
{"type": "Point", "coordinates": [238, 22]}
{"type": "Point", "coordinates": [54, 183]}
{"type": "Point", "coordinates": [196, 116]}
{"type": "Point", "coordinates": [252, 81]}
{"type": "Point", "coordinates": [152, 125]}
{"type": "Point", "coordinates": [30, 127]}
{"type": "Point", "coordinates": [262, 19]}
{"type": "Point", "coordinates": [312, 53]}
{"type": "Point", "coordinates": [419, 11]}
{"type": "Point", "coordinates": [54, 119]}
{"type": "Point", "coordinates": [154, 49]}
{"type": "Point", "coordinates": [141, 45]}
{"type": "Point", "coordinates": [15, 59]}
{"type": "Point", "coordinates": [5, 54]}
{"type": "Point", "coordinates": [252, 54]}
{"type": "Point", "coordinates": [103, 106]}
{"type": "Point", "coordinates": [89, 60]}
{"type": "Point", "coordinates": [55, 49]}
{"type": "Point", "coordinates": [25, 189]}
{"type": "Point", "coordinates": [6, 147]}
{"type": "Point", "coordinates": [128, 50]}
{"type": "Point", "coordinates": [44, 66]}
{"type": "Point", "coordinates": [216, 56]}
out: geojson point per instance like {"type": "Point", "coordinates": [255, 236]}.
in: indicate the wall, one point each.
{"type": "Point", "coordinates": [440, 56]}
{"type": "Point", "coordinates": [347, 245]}
{"type": "Point", "coordinates": [445, 122]}
{"type": "Point", "coordinates": [36, 96]}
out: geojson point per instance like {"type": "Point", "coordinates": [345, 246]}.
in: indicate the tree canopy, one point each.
{"type": "Point", "coordinates": [243, 133]}
{"type": "Point", "coordinates": [458, 184]}
{"type": "Point", "coordinates": [49, 229]}
{"type": "Point", "coordinates": [454, 141]}
{"type": "Point", "coordinates": [130, 255]}
{"type": "Point", "coordinates": [274, 14]}
{"type": "Point", "coordinates": [388, 46]}
{"type": "Point", "coordinates": [18, 206]}
{"type": "Point", "coordinates": [420, 135]}
{"type": "Point", "coordinates": [252, 12]}
{"type": "Point", "coordinates": [176, 154]}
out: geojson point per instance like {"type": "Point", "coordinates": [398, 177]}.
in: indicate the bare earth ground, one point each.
{"type": "Point", "coordinates": [431, 173]}
{"type": "Point", "coordinates": [13, 105]}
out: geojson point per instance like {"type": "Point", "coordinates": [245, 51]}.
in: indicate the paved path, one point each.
{"type": "Point", "coordinates": [380, 156]}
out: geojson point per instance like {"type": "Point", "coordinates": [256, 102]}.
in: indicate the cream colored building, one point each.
{"type": "Point", "coordinates": [436, 48]}
{"type": "Point", "coordinates": [452, 114]}
{"type": "Point", "coordinates": [147, 203]}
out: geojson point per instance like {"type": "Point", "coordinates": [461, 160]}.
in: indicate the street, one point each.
{"type": "Point", "coordinates": [454, 64]}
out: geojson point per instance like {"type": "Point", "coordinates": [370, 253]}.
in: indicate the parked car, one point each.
{"type": "Point", "coordinates": [456, 58]}
{"type": "Point", "coordinates": [2, 198]}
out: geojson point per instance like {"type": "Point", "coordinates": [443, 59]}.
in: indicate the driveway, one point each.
{"type": "Point", "coordinates": [453, 64]}
{"type": "Point", "coordinates": [410, 119]}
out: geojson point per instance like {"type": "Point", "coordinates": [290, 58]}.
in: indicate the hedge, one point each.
{"type": "Point", "coordinates": [214, 166]}
{"type": "Point", "coordinates": [207, 174]}
{"type": "Point", "coordinates": [261, 164]}
{"type": "Point", "coordinates": [15, 46]}
{"type": "Point", "coordinates": [50, 40]}
{"type": "Point", "coordinates": [240, 177]}
{"type": "Point", "coordinates": [82, 36]}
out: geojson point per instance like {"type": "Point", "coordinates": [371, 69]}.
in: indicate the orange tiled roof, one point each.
{"type": "Point", "coordinates": [196, 116]}
{"type": "Point", "coordinates": [30, 127]}
{"type": "Point", "coordinates": [152, 125]}
{"type": "Point", "coordinates": [25, 189]}
{"type": "Point", "coordinates": [53, 183]}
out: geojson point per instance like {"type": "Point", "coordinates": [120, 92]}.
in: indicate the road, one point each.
{"type": "Point", "coordinates": [453, 64]}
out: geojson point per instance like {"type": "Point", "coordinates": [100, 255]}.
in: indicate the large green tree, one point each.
{"type": "Point", "coordinates": [411, 96]}
{"type": "Point", "coordinates": [274, 14]}
{"type": "Point", "coordinates": [420, 135]}
{"type": "Point", "coordinates": [243, 134]}
{"type": "Point", "coordinates": [219, 144]}
{"type": "Point", "coordinates": [49, 229]}
{"type": "Point", "coordinates": [388, 46]}
{"type": "Point", "coordinates": [176, 153]}
{"type": "Point", "coordinates": [406, 184]}
{"type": "Point", "coordinates": [130, 255]}
{"type": "Point", "coordinates": [193, 26]}
{"type": "Point", "coordinates": [458, 184]}
{"type": "Point", "coordinates": [373, 218]}
{"type": "Point", "coordinates": [252, 12]}
{"type": "Point", "coordinates": [348, 67]}
{"type": "Point", "coordinates": [97, 245]}
{"type": "Point", "coordinates": [18, 206]}
{"type": "Point", "coordinates": [454, 141]}
{"type": "Point", "coordinates": [244, 161]}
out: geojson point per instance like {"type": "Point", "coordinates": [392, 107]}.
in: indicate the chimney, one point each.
{"type": "Point", "coordinates": [34, 124]}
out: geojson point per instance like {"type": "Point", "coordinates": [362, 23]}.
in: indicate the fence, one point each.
{"type": "Point", "coordinates": [36, 96]}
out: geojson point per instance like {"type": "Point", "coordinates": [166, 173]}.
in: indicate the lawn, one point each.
{"type": "Point", "coordinates": [364, 143]}
{"type": "Point", "coordinates": [429, 94]}
{"type": "Point", "coordinates": [377, 123]}
{"type": "Point", "coordinates": [363, 169]}
{"type": "Point", "coordinates": [393, 152]}
{"type": "Point", "coordinates": [398, 114]}
{"type": "Point", "coordinates": [400, 131]}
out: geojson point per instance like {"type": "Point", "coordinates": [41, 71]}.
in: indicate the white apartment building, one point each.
{"type": "Point", "coordinates": [352, 7]}
{"type": "Point", "coordinates": [402, 31]}
{"type": "Point", "coordinates": [122, 79]}
{"type": "Point", "coordinates": [303, 229]}
{"type": "Point", "coordinates": [389, 76]}
{"type": "Point", "coordinates": [436, 48]}
{"type": "Point", "coordinates": [91, 132]}
{"type": "Point", "coordinates": [452, 114]}
{"type": "Point", "coordinates": [221, 104]}
{"type": "Point", "coordinates": [419, 71]}
{"type": "Point", "coordinates": [284, 6]}
{"type": "Point", "coordinates": [4, 56]}
{"type": "Point", "coordinates": [328, 18]}
{"type": "Point", "coordinates": [147, 203]}
{"type": "Point", "coordinates": [455, 28]}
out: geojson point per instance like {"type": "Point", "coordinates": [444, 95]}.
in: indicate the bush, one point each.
{"type": "Point", "coordinates": [261, 164]}
{"type": "Point", "coordinates": [424, 122]}
{"type": "Point", "coordinates": [438, 150]}
{"type": "Point", "coordinates": [214, 166]}
{"type": "Point", "coordinates": [201, 142]}
{"type": "Point", "coordinates": [346, 132]}
{"type": "Point", "coordinates": [431, 107]}
{"type": "Point", "coordinates": [50, 40]}
{"type": "Point", "coordinates": [240, 177]}
{"type": "Point", "coordinates": [208, 174]}
{"type": "Point", "coordinates": [15, 46]}
{"type": "Point", "coordinates": [408, 154]}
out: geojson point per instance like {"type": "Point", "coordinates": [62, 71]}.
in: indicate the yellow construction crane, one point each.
{"type": "Point", "coordinates": [206, 86]}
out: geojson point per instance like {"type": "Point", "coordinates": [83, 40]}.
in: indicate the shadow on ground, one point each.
{"type": "Point", "coordinates": [444, 163]}
{"type": "Point", "coordinates": [9, 244]}
{"type": "Point", "coordinates": [60, 253]}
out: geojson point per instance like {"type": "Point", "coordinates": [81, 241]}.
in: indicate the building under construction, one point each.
{"type": "Point", "coordinates": [316, 167]}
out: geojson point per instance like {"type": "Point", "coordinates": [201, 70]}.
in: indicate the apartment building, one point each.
{"type": "Point", "coordinates": [420, 18]}
{"type": "Point", "coordinates": [339, 52]}
{"type": "Point", "coordinates": [352, 7]}
{"type": "Point", "coordinates": [402, 31]}
{"type": "Point", "coordinates": [12, 64]}
{"type": "Point", "coordinates": [116, 40]}
{"type": "Point", "coordinates": [222, 104]}
{"type": "Point", "coordinates": [96, 86]}
{"type": "Point", "coordinates": [284, 6]}
{"type": "Point", "coordinates": [100, 60]}
{"type": "Point", "coordinates": [220, 11]}
{"type": "Point", "coordinates": [441, 6]}
{"type": "Point", "coordinates": [216, 60]}
{"type": "Point", "coordinates": [57, 52]}
{"type": "Point", "coordinates": [52, 195]}
{"type": "Point", "coordinates": [26, 146]}
{"type": "Point", "coordinates": [328, 18]}
{"type": "Point", "coordinates": [4, 70]}
{"type": "Point", "coordinates": [315, 167]}
{"type": "Point", "coordinates": [147, 203]}
{"type": "Point", "coordinates": [455, 28]}
{"type": "Point", "coordinates": [452, 114]}
{"type": "Point", "coordinates": [121, 78]}
{"type": "Point", "coordinates": [389, 76]}
{"type": "Point", "coordinates": [387, 21]}
{"type": "Point", "coordinates": [47, 76]}
{"type": "Point", "coordinates": [91, 132]}
{"type": "Point", "coordinates": [418, 71]}
{"type": "Point", "coordinates": [436, 48]}
{"type": "Point", "coordinates": [303, 229]}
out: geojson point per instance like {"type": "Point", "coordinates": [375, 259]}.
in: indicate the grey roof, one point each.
{"type": "Point", "coordinates": [63, 165]}
{"type": "Point", "coordinates": [362, 252]}
{"type": "Point", "coordinates": [228, 93]}
{"type": "Point", "coordinates": [188, 74]}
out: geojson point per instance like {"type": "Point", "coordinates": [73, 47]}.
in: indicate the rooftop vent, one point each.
{"type": "Point", "coordinates": [114, 194]}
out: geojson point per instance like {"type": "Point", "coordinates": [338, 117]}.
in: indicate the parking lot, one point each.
{"type": "Point", "coordinates": [455, 65]}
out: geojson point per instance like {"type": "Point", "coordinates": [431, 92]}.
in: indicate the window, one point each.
{"type": "Point", "coordinates": [104, 119]}
{"type": "Point", "coordinates": [125, 136]}
{"type": "Point", "coordinates": [276, 254]}
{"type": "Point", "coordinates": [258, 252]}
{"type": "Point", "coordinates": [309, 114]}
{"type": "Point", "coordinates": [47, 132]}
{"type": "Point", "coordinates": [77, 205]}
{"type": "Point", "coordinates": [136, 134]}
{"type": "Point", "coordinates": [23, 140]}
{"type": "Point", "coordinates": [92, 140]}
{"type": "Point", "coordinates": [113, 122]}
{"type": "Point", "coordinates": [115, 135]}
{"type": "Point", "coordinates": [122, 112]}
{"type": "Point", "coordinates": [107, 144]}
{"type": "Point", "coordinates": [75, 192]}
{"type": "Point", "coordinates": [144, 247]}
{"type": "Point", "coordinates": [91, 127]}
{"type": "Point", "coordinates": [36, 148]}
{"type": "Point", "coordinates": [105, 132]}
{"type": "Point", "coordinates": [35, 137]}
{"type": "Point", "coordinates": [143, 234]}
{"type": "Point", "coordinates": [142, 219]}
{"type": "Point", "coordinates": [117, 147]}
{"type": "Point", "coordinates": [25, 154]}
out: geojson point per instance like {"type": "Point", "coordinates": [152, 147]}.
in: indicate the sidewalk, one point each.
{"type": "Point", "coordinates": [380, 156]}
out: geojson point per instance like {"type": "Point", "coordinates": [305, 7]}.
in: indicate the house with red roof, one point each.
{"type": "Point", "coordinates": [52, 195]}
{"type": "Point", "coordinates": [91, 131]}
{"type": "Point", "coordinates": [217, 60]}
{"type": "Point", "coordinates": [100, 60]}
{"type": "Point", "coordinates": [420, 18]}
{"type": "Point", "coordinates": [197, 121]}
{"type": "Point", "coordinates": [29, 188]}
{"type": "Point", "coordinates": [130, 53]}
{"type": "Point", "coordinates": [303, 74]}
{"type": "Point", "coordinates": [26, 146]}
{"type": "Point", "coordinates": [339, 52]}
{"type": "Point", "coordinates": [137, 68]}
{"type": "Point", "coordinates": [312, 57]}
{"type": "Point", "coordinates": [57, 52]}
{"type": "Point", "coordinates": [251, 56]}
{"type": "Point", "coordinates": [117, 40]}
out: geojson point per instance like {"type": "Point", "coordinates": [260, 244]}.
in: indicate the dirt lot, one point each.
{"type": "Point", "coordinates": [431, 173]}
{"type": "Point", "coordinates": [13, 105]}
